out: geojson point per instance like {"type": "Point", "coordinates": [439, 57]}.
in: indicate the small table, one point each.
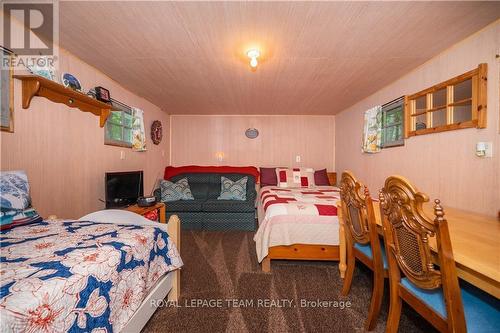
{"type": "Point", "coordinates": [144, 210]}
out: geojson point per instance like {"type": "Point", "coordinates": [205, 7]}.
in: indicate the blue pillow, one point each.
{"type": "Point", "coordinates": [230, 190]}
{"type": "Point", "coordinates": [175, 191]}
{"type": "Point", "coordinates": [14, 190]}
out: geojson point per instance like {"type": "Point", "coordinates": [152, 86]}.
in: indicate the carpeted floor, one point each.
{"type": "Point", "coordinates": [222, 266]}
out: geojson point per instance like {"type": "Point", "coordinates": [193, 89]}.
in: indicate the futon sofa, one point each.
{"type": "Point", "coordinates": [206, 212]}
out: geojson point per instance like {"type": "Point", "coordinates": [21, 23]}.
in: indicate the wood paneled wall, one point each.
{"type": "Point", "coordinates": [444, 165]}
{"type": "Point", "coordinates": [198, 139]}
{"type": "Point", "coordinates": [63, 152]}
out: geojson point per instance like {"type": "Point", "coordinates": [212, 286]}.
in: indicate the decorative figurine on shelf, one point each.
{"type": "Point", "coordinates": [156, 132]}
{"type": "Point", "coordinates": [102, 94]}
{"type": "Point", "coordinates": [42, 67]}
{"type": "Point", "coordinates": [70, 81]}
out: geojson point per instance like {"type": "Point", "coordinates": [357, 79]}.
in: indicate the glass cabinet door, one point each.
{"type": "Point", "coordinates": [462, 101]}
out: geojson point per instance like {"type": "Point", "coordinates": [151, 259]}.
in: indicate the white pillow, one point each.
{"type": "Point", "coordinates": [115, 216]}
{"type": "Point", "coordinates": [296, 177]}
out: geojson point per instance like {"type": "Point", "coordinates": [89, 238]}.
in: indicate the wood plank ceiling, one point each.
{"type": "Point", "coordinates": [317, 57]}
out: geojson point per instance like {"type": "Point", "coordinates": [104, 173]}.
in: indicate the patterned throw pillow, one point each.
{"type": "Point", "coordinates": [14, 190]}
{"type": "Point", "coordinates": [11, 218]}
{"type": "Point", "coordinates": [297, 177]}
{"type": "Point", "coordinates": [230, 190]}
{"type": "Point", "coordinates": [175, 191]}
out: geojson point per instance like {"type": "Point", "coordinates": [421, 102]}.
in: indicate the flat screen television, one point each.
{"type": "Point", "coordinates": [123, 188]}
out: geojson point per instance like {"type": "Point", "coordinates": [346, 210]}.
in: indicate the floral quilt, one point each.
{"type": "Point", "coordinates": [79, 276]}
{"type": "Point", "coordinates": [299, 201]}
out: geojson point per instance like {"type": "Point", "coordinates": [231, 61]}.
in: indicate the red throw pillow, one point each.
{"type": "Point", "coordinates": [171, 171]}
{"type": "Point", "coordinates": [268, 177]}
{"type": "Point", "coordinates": [321, 178]}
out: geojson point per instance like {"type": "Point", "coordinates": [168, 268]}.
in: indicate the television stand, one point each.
{"type": "Point", "coordinates": [159, 206]}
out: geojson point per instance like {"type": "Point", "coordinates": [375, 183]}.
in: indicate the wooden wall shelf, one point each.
{"type": "Point", "coordinates": [34, 85]}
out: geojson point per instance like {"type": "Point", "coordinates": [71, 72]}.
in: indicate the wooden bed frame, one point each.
{"type": "Point", "coordinates": [304, 251]}
{"type": "Point", "coordinates": [300, 252]}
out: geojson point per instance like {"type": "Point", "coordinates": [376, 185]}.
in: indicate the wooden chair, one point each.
{"type": "Point", "coordinates": [362, 241]}
{"type": "Point", "coordinates": [433, 291]}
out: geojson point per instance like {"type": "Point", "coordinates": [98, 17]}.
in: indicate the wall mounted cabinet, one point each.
{"type": "Point", "coordinates": [454, 104]}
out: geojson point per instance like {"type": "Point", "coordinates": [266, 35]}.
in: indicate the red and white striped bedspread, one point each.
{"type": "Point", "coordinates": [296, 216]}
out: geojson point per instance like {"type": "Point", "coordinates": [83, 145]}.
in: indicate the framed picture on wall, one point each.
{"type": "Point", "coordinates": [6, 92]}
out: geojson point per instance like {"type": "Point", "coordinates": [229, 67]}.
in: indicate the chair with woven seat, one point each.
{"type": "Point", "coordinates": [433, 290]}
{"type": "Point", "coordinates": [362, 241]}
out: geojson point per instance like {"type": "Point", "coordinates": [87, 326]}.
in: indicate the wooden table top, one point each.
{"type": "Point", "coordinates": [475, 240]}
{"type": "Point", "coordinates": [142, 210]}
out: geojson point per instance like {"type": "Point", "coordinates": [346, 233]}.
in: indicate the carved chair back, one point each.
{"type": "Point", "coordinates": [354, 209]}
{"type": "Point", "coordinates": [407, 231]}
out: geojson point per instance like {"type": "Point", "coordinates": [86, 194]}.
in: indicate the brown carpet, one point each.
{"type": "Point", "coordinates": [222, 266]}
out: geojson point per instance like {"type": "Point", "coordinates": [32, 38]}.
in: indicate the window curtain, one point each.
{"type": "Point", "coordinates": [138, 131]}
{"type": "Point", "coordinates": [372, 133]}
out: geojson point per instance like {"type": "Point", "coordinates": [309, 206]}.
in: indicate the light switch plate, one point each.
{"type": "Point", "coordinates": [297, 158]}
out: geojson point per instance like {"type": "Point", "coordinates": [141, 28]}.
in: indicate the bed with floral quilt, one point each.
{"type": "Point", "coordinates": [80, 276]}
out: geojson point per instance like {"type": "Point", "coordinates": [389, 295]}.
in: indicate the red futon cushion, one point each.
{"type": "Point", "coordinates": [171, 171]}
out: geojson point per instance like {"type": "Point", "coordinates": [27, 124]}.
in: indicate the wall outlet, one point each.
{"type": "Point", "coordinates": [297, 158]}
{"type": "Point", "coordinates": [122, 155]}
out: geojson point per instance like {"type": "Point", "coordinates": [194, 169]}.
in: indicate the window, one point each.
{"type": "Point", "coordinates": [393, 123]}
{"type": "Point", "coordinates": [118, 131]}
{"type": "Point", "coordinates": [454, 104]}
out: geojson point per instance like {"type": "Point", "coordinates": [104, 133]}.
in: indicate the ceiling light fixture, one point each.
{"type": "Point", "coordinates": [253, 54]}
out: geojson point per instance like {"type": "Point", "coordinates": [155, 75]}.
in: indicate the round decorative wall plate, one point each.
{"type": "Point", "coordinates": [251, 133]}
{"type": "Point", "coordinates": [156, 132]}
{"type": "Point", "coordinates": [70, 81]}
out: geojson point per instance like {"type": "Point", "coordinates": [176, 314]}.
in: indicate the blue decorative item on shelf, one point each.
{"type": "Point", "coordinates": [70, 81]}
